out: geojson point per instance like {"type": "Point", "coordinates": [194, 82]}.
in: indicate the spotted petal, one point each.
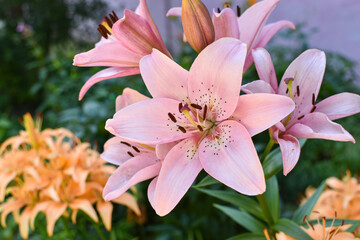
{"type": "Point", "coordinates": [232, 159]}
{"type": "Point", "coordinates": [215, 77]}
{"type": "Point", "coordinates": [178, 172]}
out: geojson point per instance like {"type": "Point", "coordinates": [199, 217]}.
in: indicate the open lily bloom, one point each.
{"type": "Point", "coordinates": [302, 81]}
{"type": "Point", "coordinates": [203, 109]}
{"type": "Point", "coordinates": [122, 46]}
{"type": "Point", "coordinates": [249, 27]}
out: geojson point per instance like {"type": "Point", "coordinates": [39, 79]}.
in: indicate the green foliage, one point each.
{"type": "Point", "coordinates": [291, 228]}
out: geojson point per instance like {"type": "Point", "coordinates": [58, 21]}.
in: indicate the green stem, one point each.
{"type": "Point", "coordinates": [98, 230]}
{"type": "Point", "coordinates": [67, 229]}
{"type": "Point", "coordinates": [265, 207]}
{"type": "Point", "coordinates": [267, 150]}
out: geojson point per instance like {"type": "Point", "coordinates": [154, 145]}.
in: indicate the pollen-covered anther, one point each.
{"type": "Point", "coordinates": [131, 155]}
{"type": "Point", "coordinates": [106, 25]}
{"type": "Point", "coordinates": [205, 112]}
{"type": "Point", "coordinates": [298, 90]}
{"type": "Point", "coordinates": [180, 107]}
{"type": "Point", "coordinates": [125, 143]}
{"type": "Point", "coordinates": [172, 117]}
{"type": "Point", "coordinates": [200, 128]}
{"type": "Point", "coordinates": [313, 99]}
{"type": "Point", "coordinates": [313, 109]}
{"type": "Point", "coordinates": [136, 149]}
{"type": "Point", "coordinates": [238, 11]}
{"type": "Point", "coordinates": [196, 106]}
{"type": "Point", "coordinates": [182, 129]}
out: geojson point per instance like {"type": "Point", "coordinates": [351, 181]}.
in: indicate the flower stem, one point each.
{"type": "Point", "coordinates": [265, 207]}
{"type": "Point", "coordinates": [267, 150]}
{"type": "Point", "coordinates": [67, 229]}
{"type": "Point", "coordinates": [98, 230]}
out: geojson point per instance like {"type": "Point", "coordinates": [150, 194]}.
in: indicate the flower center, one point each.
{"type": "Point", "coordinates": [106, 25]}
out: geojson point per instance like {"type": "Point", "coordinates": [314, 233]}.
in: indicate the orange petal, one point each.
{"type": "Point", "coordinates": [128, 200]}
{"type": "Point", "coordinates": [53, 213]}
{"type": "Point", "coordinates": [105, 210]}
{"type": "Point", "coordinates": [5, 178]}
{"type": "Point", "coordinates": [86, 206]}
{"type": "Point", "coordinates": [8, 208]}
{"type": "Point", "coordinates": [24, 222]}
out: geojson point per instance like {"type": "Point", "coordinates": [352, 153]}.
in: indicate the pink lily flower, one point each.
{"type": "Point", "coordinates": [249, 27]}
{"type": "Point", "coordinates": [203, 110]}
{"type": "Point", "coordinates": [122, 45]}
{"type": "Point", "coordinates": [302, 81]}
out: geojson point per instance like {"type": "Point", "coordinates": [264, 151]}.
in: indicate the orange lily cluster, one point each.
{"type": "Point", "coordinates": [51, 171]}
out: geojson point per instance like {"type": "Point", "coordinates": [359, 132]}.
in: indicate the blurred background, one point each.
{"type": "Point", "coordinates": [39, 39]}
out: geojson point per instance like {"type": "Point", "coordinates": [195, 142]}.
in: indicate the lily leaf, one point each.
{"type": "Point", "coordinates": [206, 181]}
{"type": "Point", "coordinates": [272, 197]}
{"type": "Point", "coordinates": [291, 228]}
{"type": "Point", "coordinates": [248, 236]}
{"type": "Point", "coordinates": [308, 206]}
{"type": "Point", "coordinates": [338, 222]}
{"type": "Point", "coordinates": [243, 202]}
{"type": "Point", "coordinates": [273, 162]}
{"type": "Point", "coordinates": [243, 218]}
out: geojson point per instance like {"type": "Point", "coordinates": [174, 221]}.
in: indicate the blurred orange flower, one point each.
{"type": "Point", "coordinates": [50, 171]}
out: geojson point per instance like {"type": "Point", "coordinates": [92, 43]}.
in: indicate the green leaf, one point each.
{"type": "Point", "coordinates": [245, 203]}
{"type": "Point", "coordinates": [291, 228]}
{"type": "Point", "coordinates": [206, 181]}
{"type": "Point", "coordinates": [273, 162]}
{"type": "Point", "coordinates": [308, 206]}
{"type": "Point", "coordinates": [248, 236]}
{"type": "Point", "coordinates": [337, 222]}
{"type": "Point", "coordinates": [243, 218]}
{"type": "Point", "coordinates": [272, 197]}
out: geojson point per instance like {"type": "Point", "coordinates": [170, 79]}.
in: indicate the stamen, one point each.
{"type": "Point", "coordinates": [102, 33]}
{"type": "Point", "coordinates": [218, 10]}
{"type": "Point", "coordinates": [200, 128]}
{"type": "Point", "coordinates": [127, 144]}
{"type": "Point", "coordinates": [313, 99]}
{"type": "Point", "coordinates": [108, 21]}
{"type": "Point", "coordinates": [238, 10]}
{"type": "Point", "coordinates": [172, 117]}
{"type": "Point", "coordinates": [104, 30]}
{"type": "Point", "coordinates": [131, 155]}
{"type": "Point", "coordinates": [196, 106]}
{"type": "Point", "coordinates": [287, 91]}
{"type": "Point", "coordinates": [182, 129]}
{"type": "Point", "coordinates": [266, 234]}
{"type": "Point", "coordinates": [113, 16]}
{"type": "Point", "coordinates": [205, 112]}
{"type": "Point", "coordinates": [298, 90]}
{"type": "Point", "coordinates": [313, 109]}
{"type": "Point", "coordinates": [227, 4]}
{"type": "Point", "coordinates": [312, 226]}
{"type": "Point", "coordinates": [304, 218]}
{"type": "Point", "coordinates": [180, 107]}
{"type": "Point", "coordinates": [324, 223]}
{"type": "Point", "coordinates": [136, 149]}
{"type": "Point", "coordinates": [301, 117]}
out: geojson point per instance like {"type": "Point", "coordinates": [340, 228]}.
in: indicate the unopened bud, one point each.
{"type": "Point", "coordinates": [197, 24]}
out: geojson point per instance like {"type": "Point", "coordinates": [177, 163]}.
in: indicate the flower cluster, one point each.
{"type": "Point", "coordinates": [50, 171]}
{"type": "Point", "coordinates": [197, 120]}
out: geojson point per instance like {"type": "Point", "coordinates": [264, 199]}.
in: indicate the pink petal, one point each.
{"type": "Point", "coordinates": [163, 149]}
{"type": "Point", "coordinates": [232, 159]}
{"type": "Point", "coordinates": [128, 97]}
{"type": "Point", "coordinates": [129, 201]}
{"type": "Point", "coordinates": [308, 71]}
{"type": "Point", "coordinates": [253, 19]}
{"type": "Point", "coordinates": [135, 170]}
{"type": "Point", "coordinates": [148, 122]}
{"type": "Point", "coordinates": [151, 192]}
{"type": "Point", "coordinates": [135, 33]}
{"type": "Point", "coordinates": [163, 77]}
{"type": "Point", "coordinates": [225, 24]}
{"type": "Point", "coordinates": [215, 76]}
{"type": "Point", "coordinates": [112, 54]}
{"type": "Point", "coordinates": [258, 86]}
{"type": "Point", "coordinates": [178, 172]}
{"type": "Point", "coordinates": [108, 73]}
{"type": "Point", "coordinates": [340, 105]}
{"type": "Point", "coordinates": [290, 151]}
{"type": "Point", "coordinates": [318, 125]}
{"type": "Point", "coordinates": [265, 67]}
{"type": "Point", "coordinates": [174, 12]}
{"type": "Point", "coordinates": [258, 112]}
{"type": "Point", "coordinates": [116, 152]}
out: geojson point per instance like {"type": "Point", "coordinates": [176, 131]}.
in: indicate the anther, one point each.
{"type": "Point", "coordinates": [313, 99]}
{"type": "Point", "coordinates": [313, 109]}
{"type": "Point", "coordinates": [200, 128]}
{"type": "Point", "coordinates": [287, 90]}
{"type": "Point", "coordinates": [172, 117]}
{"type": "Point", "coordinates": [180, 107]}
{"type": "Point", "coordinates": [196, 106]}
{"type": "Point", "coordinates": [218, 10]}
{"type": "Point", "coordinates": [304, 218]}
{"type": "Point", "coordinates": [298, 90]}
{"type": "Point", "coordinates": [205, 112]}
{"type": "Point", "coordinates": [301, 117]}
{"type": "Point", "coordinates": [131, 155]}
{"type": "Point", "coordinates": [238, 10]}
{"type": "Point", "coordinates": [108, 21]}
{"type": "Point", "coordinates": [101, 32]}
{"type": "Point", "coordinates": [127, 144]}
{"type": "Point", "coordinates": [104, 30]}
{"type": "Point", "coordinates": [343, 222]}
{"type": "Point", "coordinates": [113, 16]}
{"type": "Point", "coordinates": [182, 129]}
{"type": "Point", "coordinates": [136, 149]}
{"type": "Point", "coordinates": [312, 226]}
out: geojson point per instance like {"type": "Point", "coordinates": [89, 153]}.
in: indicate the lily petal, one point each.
{"type": "Point", "coordinates": [318, 125]}
{"type": "Point", "coordinates": [253, 19]}
{"type": "Point", "coordinates": [163, 149]}
{"type": "Point", "coordinates": [129, 201]}
{"type": "Point", "coordinates": [225, 24]}
{"type": "Point", "coordinates": [340, 105]}
{"type": "Point", "coordinates": [265, 67]}
{"type": "Point", "coordinates": [163, 77]}
{"type": "Point", "coordinates": [148, 122]}
{"type": "Point", "coordinates": [128, 97]}
{"type": "Point", "coordinates": [112, 54]}
{"type": "Point", "coordinates": [86, 206]}
{"type": "Point", "coordinates": [5, 179]}
{"type": "Point", "coordinates": [112, 72]}
{"type": "Point", "coordinates": [258, 112]}
{"type": "Point", "coordinates": [115, 151]}
{"type": "Point", "coordinates": [221, 62]}
{"type": "Point", "coordinates": [135, 170]}
{"type": "Point", "coordinates": [290, 151]}
{"type": "Point", "coordinates": [151, 192]}
{"type": "Point", "coordinates": [178, 172]}
{"type": "Point", "coordinates": [53, 213]}
{"type": "Point", "coordinates": [258, 86]}
{"type": "Point", "coordinates": [174, 12]}
{"type": "Point", "coordinates": [105, 210]}
{"type": "Point", "coordinates": [307, 70]}
{"type": "Point", "coordinates": [24, 222]}
{"type": "Point", "coordinates": [232, 159]}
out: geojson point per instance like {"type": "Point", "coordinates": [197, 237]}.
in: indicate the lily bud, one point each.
{"type": "Point", "coordinates": [197, 24]}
